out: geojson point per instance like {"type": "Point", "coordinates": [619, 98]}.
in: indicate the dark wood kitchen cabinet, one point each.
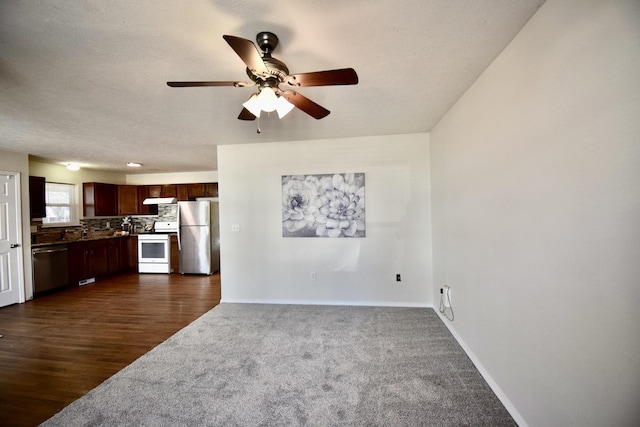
{"type": "Point", "coordinates": [118, 200]}
{"type": "Point", "coordinates": [99, 199]}
{"type": "Point", "coordinates": [88, 259]}
{"type": "Point", "coordinates": [155, 190]}
{"type": "Point", "coordinates": [37, 197]}
{"type": "Point", "coordinates": [132, 256]}
{"type": "Point", "coordinates": [77, 262]}
{"type": "Point", "coordinates": [144, 193]}
{"type": "Point", "coordinates": [202, 189]}
{"type": "Point", "coordinates": [195, 190]}
{"type": "Point", "coordinates": [169, 190]}
{"type": "Point", "coordinates": [175, 255]}
{"type": "Point", "coordinates": [97, 258]}
{"type": "Point", "coordinates": [128, 200]}
{"type": "Point", "coordinates": [182, 193]}
{"type": "Point", "coordinates": [211, 189]}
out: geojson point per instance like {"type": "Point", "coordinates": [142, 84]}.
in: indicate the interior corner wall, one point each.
{"type": "Point", "coordinates": [259, 265]}
{"type": "Point", "coordinates": [536, 216]}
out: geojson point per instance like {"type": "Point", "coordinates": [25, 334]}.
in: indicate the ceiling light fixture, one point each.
{"type": "Point", "coordinates": [268, 101]}
{"type": "Point", "coordinates": [134, 164]}
{"type": "Point", "coordinates": [73, 167]}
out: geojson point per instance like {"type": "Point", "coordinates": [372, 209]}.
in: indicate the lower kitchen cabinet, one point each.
{"type": "Point", "coordinates": [97, 258]}
{"type": "Point", "coordinates": [78, 270]}
{"type": "Point", "coordinates": [132, 243]}
{"type": "Point", "coordinates": [123, 244]}
{"type": "Point", "coordinates": [175, 255]}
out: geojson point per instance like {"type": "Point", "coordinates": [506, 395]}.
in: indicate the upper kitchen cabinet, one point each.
{"type": "Point", "coordinates": [211, 189]}
{"type": "Point", "coordinates": [169, 190]}
{"type": "Point", "coordinates": [99, 199]}
{"type": "Point", "coordinates": [182, 193]}
{"type": "Point", "coordinates": [144, 193]}
{"type": "Point", "coordinates": [128, 200]}
{"type": "Point", "coordinates": [202, 189]}
{"type": "Point", "coordinates": [37, 197]}
{"type": "Point", "coordinates": [195, 190]}
{"type": "Point", "coordinates": [155, 190]}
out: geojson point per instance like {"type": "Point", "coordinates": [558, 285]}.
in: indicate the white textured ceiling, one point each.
{"type": "Point", "coordinates": [84, 81]}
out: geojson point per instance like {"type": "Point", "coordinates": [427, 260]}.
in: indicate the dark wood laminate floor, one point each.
{"type": "Point", "coordinates": [56, 348]}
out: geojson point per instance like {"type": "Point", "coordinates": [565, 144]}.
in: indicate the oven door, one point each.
{"type": "Point", "coordinates": [154, 250]}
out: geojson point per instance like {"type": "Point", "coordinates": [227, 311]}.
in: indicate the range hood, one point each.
{"type": "Point", "coordinates": [159, 201]}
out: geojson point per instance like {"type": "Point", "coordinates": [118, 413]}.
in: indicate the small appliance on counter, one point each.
{"type": "Point", "coordinates": [154, 249]}
{"type": "Point", "coordinates": [126, 226]}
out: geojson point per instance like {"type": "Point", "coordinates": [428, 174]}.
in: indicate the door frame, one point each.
{"type": "Point", "coordinates": [17, 177]}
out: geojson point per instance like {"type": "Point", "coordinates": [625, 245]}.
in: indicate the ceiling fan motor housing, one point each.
{"type": "Point", "coordinates": [276, 69]}
{"type": "Point", "coordinates": [267, 41]}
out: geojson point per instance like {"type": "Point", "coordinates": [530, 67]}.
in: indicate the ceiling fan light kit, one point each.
{"type": "Point", "coordinates": [268, 73]}
{"type": "Point", "coordinates": [268, 101]}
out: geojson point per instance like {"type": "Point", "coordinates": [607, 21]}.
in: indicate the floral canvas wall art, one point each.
{"type": "Point", "coordinates": [327, 205]}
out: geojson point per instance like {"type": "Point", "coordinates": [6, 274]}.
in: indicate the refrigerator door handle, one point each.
{"type": "Point", "coordinates": [179, 245]}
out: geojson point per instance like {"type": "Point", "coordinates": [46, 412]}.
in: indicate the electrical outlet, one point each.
{"type": "Point", "coordinates": [313, 275]}
{"type": "Point", "coordinates": [398, 278]}
{"type": "Point", "coordinates": [235, 228]}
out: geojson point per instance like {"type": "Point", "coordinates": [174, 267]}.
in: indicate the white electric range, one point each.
{"type": "Point", "coordinates": [154, 249]}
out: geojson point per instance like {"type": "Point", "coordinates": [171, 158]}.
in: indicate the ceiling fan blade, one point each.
{"type": "Point", "coordinates": [196, 84]}
{"type": "Point", "coordinates": [249, 54]}
{"type": "Point", "coordinates": [343, 76]}
{"type": "Point", "coordinates": [246, 115]}
{"type": "Point", "coordinates": [305, 104]}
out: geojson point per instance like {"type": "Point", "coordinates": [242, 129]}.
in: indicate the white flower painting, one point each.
{"type": "Point", "coordinates": [330, 205]}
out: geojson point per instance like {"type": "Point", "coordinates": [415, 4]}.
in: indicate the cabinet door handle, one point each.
{"type": "Point", "coordinates": [15, 245]}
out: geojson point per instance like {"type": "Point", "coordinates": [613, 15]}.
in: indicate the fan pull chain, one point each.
{"type": "Point", "coordinates": [258, 130]}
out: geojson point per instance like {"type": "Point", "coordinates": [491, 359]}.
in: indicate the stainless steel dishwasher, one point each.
{"type": "Point", "coordinates": [50, 268]}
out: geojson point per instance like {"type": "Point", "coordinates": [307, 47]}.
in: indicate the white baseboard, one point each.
{"type": "Point", "coordinates": [322, 302]}
{"type": "Point", "coordinates": [485, 374]}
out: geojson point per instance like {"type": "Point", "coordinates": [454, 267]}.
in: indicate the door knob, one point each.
{"type": "Point", "coordinates": [14, 245]}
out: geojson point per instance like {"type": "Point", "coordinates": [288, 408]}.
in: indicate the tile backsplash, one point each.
{"type": "Point", "coordinates": [52, 234]}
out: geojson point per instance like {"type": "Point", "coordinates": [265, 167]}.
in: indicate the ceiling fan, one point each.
{"type": "Point", "coordinates": [268, 73]}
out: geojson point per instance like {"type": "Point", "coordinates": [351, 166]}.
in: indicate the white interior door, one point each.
{"type": "Point", "coordinates": [10, 250]}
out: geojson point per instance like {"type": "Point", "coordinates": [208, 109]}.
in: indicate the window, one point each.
{"type": "Point", "coordinates": [60, 204]}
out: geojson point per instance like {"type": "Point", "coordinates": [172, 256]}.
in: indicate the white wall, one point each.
{"type": "Point", "coordinates": [259, 265]}
{"type": "Point", "coordinates": [14, 162]}
{"type": "Point", "coordinates": [172, 178]}
{"type": "Point", "coordinates": [536, 216]}
{"type": "Point", "coordinates": [59, 173]}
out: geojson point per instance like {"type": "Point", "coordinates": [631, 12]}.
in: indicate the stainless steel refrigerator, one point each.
{"type": "Point", "coordinates": [198, 237]}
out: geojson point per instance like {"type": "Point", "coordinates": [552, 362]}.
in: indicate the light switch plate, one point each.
{"type": "Point", "coordinates": [235, 228]}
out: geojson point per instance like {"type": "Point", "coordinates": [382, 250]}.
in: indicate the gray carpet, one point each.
{"type": "Point", "coordinates": [289, 365]}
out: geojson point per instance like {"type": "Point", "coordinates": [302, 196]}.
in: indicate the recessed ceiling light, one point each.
{"type": "Point", "coordinates": [73, 167]}
{"type": "Point", "coordinates": [134, 165]}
